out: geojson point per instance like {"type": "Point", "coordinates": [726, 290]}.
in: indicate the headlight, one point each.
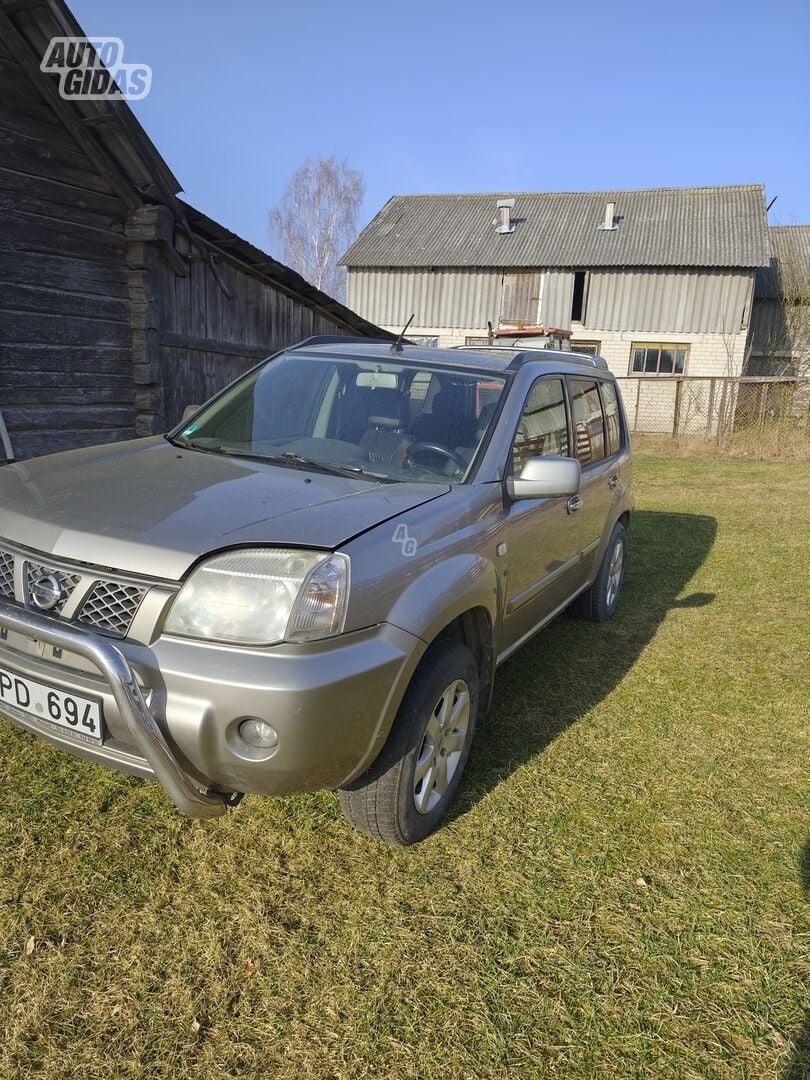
{"type": "Point", "coordinates": [261, 596]}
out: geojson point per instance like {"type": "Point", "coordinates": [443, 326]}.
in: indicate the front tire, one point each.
{"type": "Point", "coordinates": [598, 603]}
{"type": "Point", "coordinates": [409, 788]}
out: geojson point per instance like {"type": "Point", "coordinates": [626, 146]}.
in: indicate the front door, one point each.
{"type": "Point", "coordinates": [543, 535]}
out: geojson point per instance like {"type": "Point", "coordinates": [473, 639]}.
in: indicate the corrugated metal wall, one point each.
{"type": "Point", "coordinates": [451, 298]}
{"type": "Point", "coordinates": [667, 300]}
{"type": "Point", "coordinates": [627, 300]}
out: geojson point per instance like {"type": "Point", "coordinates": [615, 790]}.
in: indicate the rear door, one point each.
{"type": "Point", "coordinates": [543, 535]}
{"type": "Point", "coordinates": [596, 444]}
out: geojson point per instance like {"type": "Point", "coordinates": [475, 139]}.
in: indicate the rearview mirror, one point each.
{"type": "Point", "coordinates": [548, 477]}
{"type": "Point", "coordinates": [377, 380]}
{"type": "Point", "coordinates": [188, 412]}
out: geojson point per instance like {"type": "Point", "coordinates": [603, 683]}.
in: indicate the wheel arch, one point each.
{"type": "Point", "coordinates": [458, 598]}
{"type": "Point", "coordinates": [474, 628]}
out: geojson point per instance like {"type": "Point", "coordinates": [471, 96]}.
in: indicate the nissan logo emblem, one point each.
{"type": "Point", "coordinates": [46, 591]}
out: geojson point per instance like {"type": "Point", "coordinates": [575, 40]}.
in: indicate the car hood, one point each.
{"type": "Point", "coordinates": [151, 508]}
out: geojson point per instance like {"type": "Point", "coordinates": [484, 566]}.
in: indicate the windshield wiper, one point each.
{"type": "Point", "coordinates": [187, 444]}
{"type": "Point", "coordinates": [299, 461]}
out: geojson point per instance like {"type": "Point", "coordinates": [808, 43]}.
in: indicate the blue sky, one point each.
{"type": "Point", "coordinates": [451, 96]}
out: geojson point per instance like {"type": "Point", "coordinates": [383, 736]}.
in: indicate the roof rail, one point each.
{"type": "Point", "coordinates": [570, 358]}
{"type": "Point", "coordinates": [337, 339]}
{"type": "Point", "coordinates": [523, 355]}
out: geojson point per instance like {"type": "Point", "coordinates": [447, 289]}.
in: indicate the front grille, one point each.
{"type": "Point", "coordinates": [68, 581]}
{"type": "Point", "coordinates": [111, 606]}
{"type": "Point", "coordinates": [6, 574]}
{"type": "Point", "coordinates": [87, 597]}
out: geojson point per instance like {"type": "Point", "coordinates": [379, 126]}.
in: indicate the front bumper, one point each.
{"type": "Point", "coordinates": [172, 709]}
{"type": "Point", "coordinates": [129, 699]}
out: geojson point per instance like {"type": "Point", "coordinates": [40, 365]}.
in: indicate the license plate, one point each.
{"type": "Point", "coordinates": [80, 715]}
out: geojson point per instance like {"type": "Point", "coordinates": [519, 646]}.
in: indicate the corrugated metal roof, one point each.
{"type": "Point", "coordinates": [705, 226]}
{"type": "Point", "coordinates": [790, 245]}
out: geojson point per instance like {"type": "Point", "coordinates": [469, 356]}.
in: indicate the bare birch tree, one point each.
{"type": "Point", "coordinates": [316, 220]}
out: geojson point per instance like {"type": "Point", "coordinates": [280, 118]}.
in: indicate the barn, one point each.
{"type": "Point", "coordinates": [119, 302]}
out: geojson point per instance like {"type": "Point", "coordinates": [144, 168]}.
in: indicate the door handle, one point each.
{"type": "Point", "coordinates": [613, 480]}
{"type": "Point", "coordinates": [574, 504]}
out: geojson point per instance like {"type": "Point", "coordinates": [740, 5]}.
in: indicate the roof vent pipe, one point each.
{"type": "Point", "coordinates": [503, 222]}
{"type": "Point", "coordinates": [609, 224]}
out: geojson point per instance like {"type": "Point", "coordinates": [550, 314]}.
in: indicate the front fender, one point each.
{"type": "Point", "coordinates": [446, 590]}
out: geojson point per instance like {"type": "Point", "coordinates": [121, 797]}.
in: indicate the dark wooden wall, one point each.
{"type": "Point", "coordinates": [65, 349]}
{"type": "Point", "coordinates": [111, 321]}
{"type": "Point", "coordinates": [207, 339]}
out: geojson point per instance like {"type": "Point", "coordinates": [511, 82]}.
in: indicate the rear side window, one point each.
{"type": "Point", "coordinates": [543, 427]}
{"type": "Point", "coordinates": [589, 426]}
{"type": "Point", "coordinates": [610, 405]}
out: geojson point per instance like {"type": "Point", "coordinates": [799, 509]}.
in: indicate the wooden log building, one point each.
{"type": "Point", "coordinates": [119, 303]}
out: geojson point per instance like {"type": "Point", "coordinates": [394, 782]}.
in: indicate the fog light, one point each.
{"type": "Point", "coordinates": [258, 734]}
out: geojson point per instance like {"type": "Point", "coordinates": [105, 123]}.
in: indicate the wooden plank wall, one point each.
{"type": "Point", "coordinates": [65, 364]}
{"type": "Point", "coordinates": [208, 339]}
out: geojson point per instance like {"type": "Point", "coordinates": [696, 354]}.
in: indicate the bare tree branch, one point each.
{"type": "Point", "coordinates": [316, 220]}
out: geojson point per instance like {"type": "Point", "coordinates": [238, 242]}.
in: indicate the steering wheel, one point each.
{"type": "Point", "coordinates": [436, 448]}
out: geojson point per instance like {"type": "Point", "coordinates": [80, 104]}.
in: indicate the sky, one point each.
{"type": "Point", "coordinates": [444, 95]}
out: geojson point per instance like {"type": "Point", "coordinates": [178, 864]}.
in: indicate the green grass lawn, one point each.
{"type": "Point", "coordinates": [622, 891]}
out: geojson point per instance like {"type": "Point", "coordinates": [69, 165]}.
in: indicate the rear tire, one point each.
{"type": "Point", "coordinates": [409, 788]}
{"type": "Point", "coordinates": [598, 603]}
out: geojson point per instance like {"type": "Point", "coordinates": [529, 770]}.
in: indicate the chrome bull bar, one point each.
{"type": "Point", "coordinates": [114, 667]}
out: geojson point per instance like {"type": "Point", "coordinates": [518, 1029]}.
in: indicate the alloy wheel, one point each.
{"type": "Point", "coordinates": [614, 579]}
{"type": "Point", "coordinates": [442, 746]}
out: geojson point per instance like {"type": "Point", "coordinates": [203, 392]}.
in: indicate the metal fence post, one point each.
{"type": "Point", "coordinates": [676, 418]}
{"type": "Point", "coordinates": [721, 412]}
{"type": "Point", "coordinates": [710, 408]}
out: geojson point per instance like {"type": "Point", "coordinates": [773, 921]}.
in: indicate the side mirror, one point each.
{"type": "Point", "coordinates": [549, 477]}
{"type": "Point", "coordinates": [188, 412]}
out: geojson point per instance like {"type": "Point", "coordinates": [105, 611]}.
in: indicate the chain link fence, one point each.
{"type": "Point", "coordinates": [762, 416]}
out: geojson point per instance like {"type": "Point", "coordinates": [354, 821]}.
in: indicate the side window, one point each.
{"type": "Point", "coordinates": [610, 405]}
{"type": "Point", "coordinates": [543, 427]}
{"type": "Point", "coordinates": [589, 427]}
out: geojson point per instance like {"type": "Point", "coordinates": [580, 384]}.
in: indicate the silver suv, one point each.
{"type": "Point", "coordinates": [312, 581]}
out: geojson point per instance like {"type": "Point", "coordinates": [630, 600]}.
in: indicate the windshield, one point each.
{"type": "Point", "coordinates": [378, 420]}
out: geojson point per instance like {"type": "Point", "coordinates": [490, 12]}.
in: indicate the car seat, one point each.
{"type": "Point", "coordinates": [384, 440]}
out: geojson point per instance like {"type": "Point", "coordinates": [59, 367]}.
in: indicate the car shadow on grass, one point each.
{"type": "Point", "coordinates": [572, 665]}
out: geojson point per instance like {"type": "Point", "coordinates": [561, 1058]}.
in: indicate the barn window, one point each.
{"type": "Point", "coordinates": [589, 348]}
{"type": "Point", "coordinates": [520, 300]}
{"type": "Point", "coordinates": [578, 298]}
{"type": "Point", "coordinates": [658, 358]}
